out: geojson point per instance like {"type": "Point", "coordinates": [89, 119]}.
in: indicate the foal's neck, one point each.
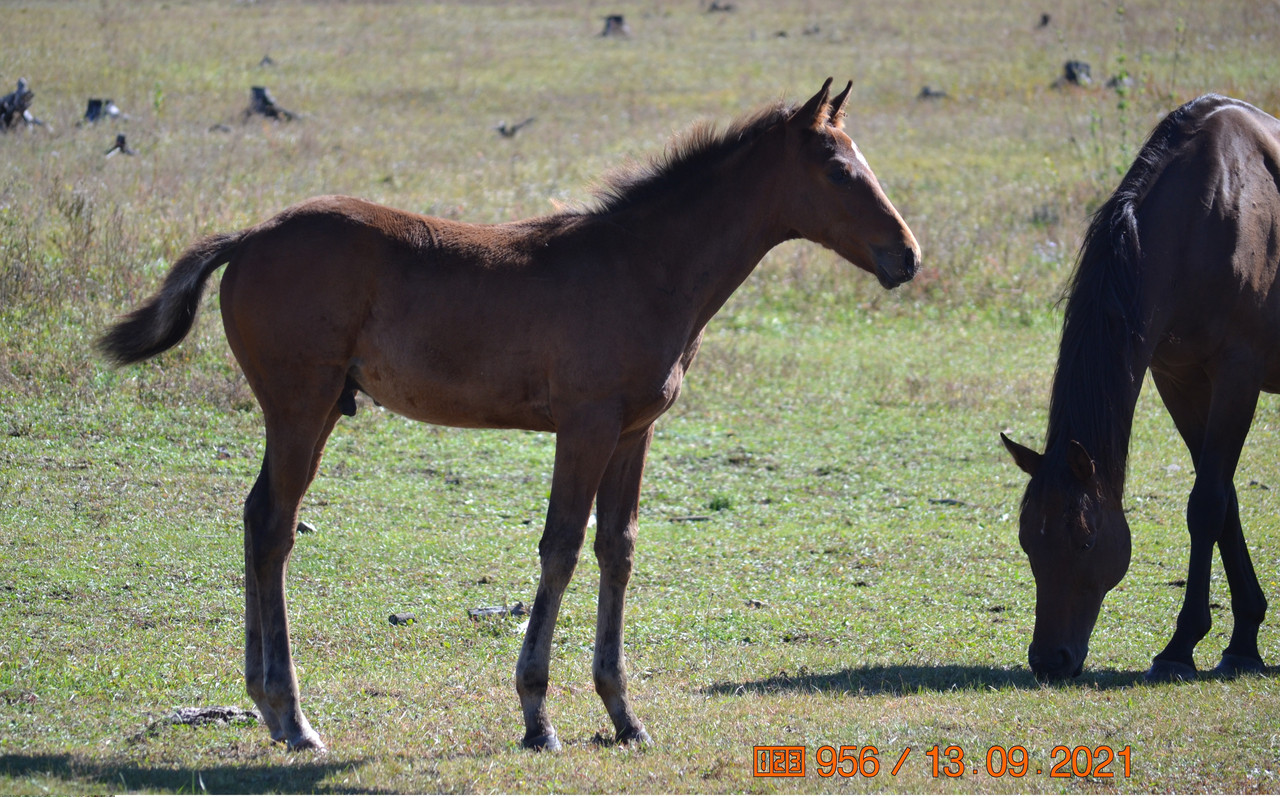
{"type": "Point", "coordinates": [704, 240]}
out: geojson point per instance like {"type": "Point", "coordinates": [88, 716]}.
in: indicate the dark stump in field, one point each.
{"type": "Point", "coordinates": [261, 103]}
{"type": "Point", "coordinates": [1074, 73]}
{"type": "Point", "coordinates": [616, 25]}
{"type": "Point", "coordinates": [510, 130]}
{"type": "Point", "coordinates": [15, 107]}
{"type": "Point", "coordinates": [121, 147]}
{"type": "Point", "coordinates": [99, 109]}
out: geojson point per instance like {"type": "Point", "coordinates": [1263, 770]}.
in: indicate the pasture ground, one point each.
{"type": "Point", "coordinates": [828, 549]}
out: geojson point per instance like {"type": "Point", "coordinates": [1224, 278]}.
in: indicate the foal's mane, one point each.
{"type": "Point", "coordinates": [688, 156]}
{"type": "Point", "coordinates": [1103, 328]}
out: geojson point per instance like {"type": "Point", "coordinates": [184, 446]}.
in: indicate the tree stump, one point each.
{"type": "Point", "coordinates": [616, 25]}
{"type": "Point", "coordinates": [262, 103]}
{"type": "Point", "coordinates": [15, 107]}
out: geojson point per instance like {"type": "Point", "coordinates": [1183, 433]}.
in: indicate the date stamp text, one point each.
{"type": "Point", "coordinates": [950, 761]}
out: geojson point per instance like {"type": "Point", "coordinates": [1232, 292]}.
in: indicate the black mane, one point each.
{"type": "Point", "coordinates": [689, 156]}
{"type": "Point", "coordinates": [1102, 330]}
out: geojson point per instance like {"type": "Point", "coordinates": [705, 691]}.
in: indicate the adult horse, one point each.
{"type": "Point", "coordinates": [1177, 273]}
{"type": "Point", "coordinates": [581, 323]}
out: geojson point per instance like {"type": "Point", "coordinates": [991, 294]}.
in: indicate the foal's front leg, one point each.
{"type": "Point", "coordinates": [617, 508]}
{"type": "Point", "coordinates": [583, 447]}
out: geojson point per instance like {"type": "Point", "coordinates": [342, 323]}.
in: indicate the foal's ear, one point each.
{"type": "Point", "coordinates": [835, 114]}
{"type": "Point", "coordinates": [1023, 457]}
{"type": "Point", "coordinates": [1080, 461]}
{"type": "Point", "coordinates": [811, 111]}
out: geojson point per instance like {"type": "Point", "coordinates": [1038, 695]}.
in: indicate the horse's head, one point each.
{"type": "Point", "coordinates": [1076, 536]}
{"type": "Point", "coordinates": [834, 198]}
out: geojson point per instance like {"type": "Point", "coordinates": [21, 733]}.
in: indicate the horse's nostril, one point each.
{"type": "Point", "coordinates": [911, 263]}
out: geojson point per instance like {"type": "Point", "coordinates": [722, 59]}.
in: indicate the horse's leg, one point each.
{"type": "Point", "coordinates": [584, 445]}
{"type": "Point", "coordinates": [294, 445]}
{"type": "Point", "coordinates": [253, 668]}
{"type": "Point", "coordinates": [1214, 420]}
{"type": "Point", "coordinates": [617, 506]}
{"type": "Point", "coordinates": [1248, 603]}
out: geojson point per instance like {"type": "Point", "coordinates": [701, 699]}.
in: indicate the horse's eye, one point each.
{"type": "Point", "coordinates": [839, 174]}
{"type": "Point", "coordinates": [1088, 543]}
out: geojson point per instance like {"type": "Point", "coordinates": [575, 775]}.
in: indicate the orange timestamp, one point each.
{"type": "Point", "coordinates": [1081, 761]}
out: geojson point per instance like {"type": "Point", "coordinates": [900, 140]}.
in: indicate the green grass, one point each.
{"type": "Point", "coordinates": [856, 579]}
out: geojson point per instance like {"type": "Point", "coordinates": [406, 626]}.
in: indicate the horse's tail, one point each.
{"type": "Point", "coordinates": [166, 318]}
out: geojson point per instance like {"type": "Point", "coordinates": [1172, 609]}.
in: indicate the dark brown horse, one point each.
{"type": "Point", "coordinates": [581, 323]}
{"type": "Point", "coordinates": [1177, 273]}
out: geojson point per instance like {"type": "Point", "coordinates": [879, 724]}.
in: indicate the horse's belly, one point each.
{"type": "Point", "coordinates": [469, 402]}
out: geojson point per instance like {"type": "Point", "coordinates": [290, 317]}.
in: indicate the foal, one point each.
{"type": "Point", "coordinates": [581, 323]}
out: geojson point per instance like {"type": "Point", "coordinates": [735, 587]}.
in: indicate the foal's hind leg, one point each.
{"type": "Point", "coordinates": [617, 506]}
{"type": "Point", "coordinates": [584, 445]}
{"type": "Point", "coordinates": [295, 441]}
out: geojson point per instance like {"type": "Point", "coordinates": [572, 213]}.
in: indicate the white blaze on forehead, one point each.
{"type": "Point", "coordinates": [853, 145]}
{"type": "Point", "coordinates": [857, 153]}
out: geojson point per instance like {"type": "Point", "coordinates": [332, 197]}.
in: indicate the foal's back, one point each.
{"type": "Point", "coordinates": [448, 322]}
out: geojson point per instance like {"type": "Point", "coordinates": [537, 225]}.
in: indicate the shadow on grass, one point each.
{"type": "Point", "coordinates": [906, 679]}
{"type": "Point", "coordinates": [298, 778]}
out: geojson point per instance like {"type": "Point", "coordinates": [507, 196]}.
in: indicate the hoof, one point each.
{"type": "Point", "coordinates": [1164, 671]}
{"type": "Point", "coordinates": [306, 739]}
{"type": "Point", "coordinates": [545, 741]}
{"type": "Point", "coordinates": [311, 743]}
{"type": "Point", "coordinates": [1233, 666]}
{"type": "Point", "coordinates": [637, 737]}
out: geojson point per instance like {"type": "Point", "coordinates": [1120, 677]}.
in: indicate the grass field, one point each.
{"type": "Point", "coordinates": [853, 577]}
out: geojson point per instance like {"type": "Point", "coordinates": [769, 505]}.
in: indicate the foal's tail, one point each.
{"type": "Point", "coordinates": [166, 318]}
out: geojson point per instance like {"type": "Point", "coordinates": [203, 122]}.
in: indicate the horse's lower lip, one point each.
{"type": "Point", "coordinates": [891, 281]}
{"type": "Point", "coordinates": [887, 283]}
{"type": "Point", "coordinates": [893, 270]}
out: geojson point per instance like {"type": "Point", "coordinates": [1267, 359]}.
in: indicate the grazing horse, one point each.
{"type": "Point", "coordinates": [581, 323]}
{"type": "Point", "coordinates": [1177, 273]}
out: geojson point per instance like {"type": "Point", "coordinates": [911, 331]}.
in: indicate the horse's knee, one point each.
{"type": "Point", "coordinates": [615, 539]}
{"type": "Point", "coordinates": [616, 551]}
{"type": "Point", "coordinates": [558, 563]}
{"type": "Point", "coordinates": [1207, 510]}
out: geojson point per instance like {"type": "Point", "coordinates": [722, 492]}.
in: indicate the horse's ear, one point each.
{"type": "Point", "coordinates": [811, 111]}
{"type": "Point", "coordinates": [1080, 461]}
{"type": "Point", "coordinates": [1023, 457]}
{"type": "Point", "coordinates": [835, 114]}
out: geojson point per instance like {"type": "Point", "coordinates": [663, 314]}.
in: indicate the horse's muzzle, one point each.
{"type": "Point", "coordinates": [1060, 664]}
{"type": "Point", "coordinates": [896, 266]}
